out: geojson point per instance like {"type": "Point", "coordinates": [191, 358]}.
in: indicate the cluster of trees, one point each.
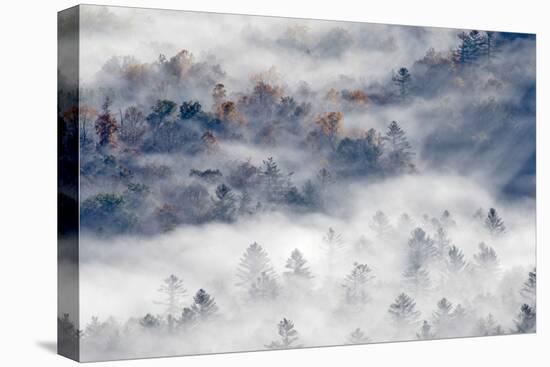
{"type": "Point", "coordinates": [433, 265]}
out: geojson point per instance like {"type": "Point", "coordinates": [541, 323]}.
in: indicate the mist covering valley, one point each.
{"type": "Point", "coordinates": [254, 183]}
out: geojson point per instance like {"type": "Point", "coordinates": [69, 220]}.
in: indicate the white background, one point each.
{"type": "Point", "coordinates": [28, 181]}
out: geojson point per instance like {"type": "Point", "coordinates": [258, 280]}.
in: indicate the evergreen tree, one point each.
{"type": "Point", "coordinates": [425, 332]}
{"type": "Point", "coordinates": [204, 306]}
{"type": "Point", "coordinates": [245, 204]}
{"type": "Point", "coordinates": [174, 291]}
{"type": "Point", "coordinates": [296, 264]}
{"type": "Point", "coordinates": [447, 220]}
{"type": "Point", "coordinates": [491, 46]}
{"type": "Point", "coordinates": [529, 289]}
{"type": "Point", "coordinates": [442, 242]}
{"type": "Point", "coordinates": [455, 260]}
{"type": "Point", "coordinates": [403, 311]}
{"type": "Point", "coordinates": [288, 334]}
{"type": "Point", "coordinates": [488, 327]}
{"type": "Point", "coordinates": [416, 278]}
{"type": "Point", "coordinates": [421, 248]}
{"type": "Point", "coordinates": [380, 224]}
{"type": "Point", "coordinates": [443, 318]}
{"type": "Point", "coordinates": [106, 126]}
{"type": "Point", "coordinates": [398, 148]}
{"type": "Point", "coordinates": [469, 49]}
{"type": "Point", "coordinates": [526, 321]}
{"type": "Point", "coordinates": [487, 260]}
{"type": "Point", "coordinates": [332, 244]}
{"type": "Point", "coordinates": [356, 284]}
{"type": "Point", "coordinates": [150, 322]}
{"type": "Point", "coordinates": [494, 223]}
{"type": "Point", "coordinates": [312, 195]}
{"type": "Point", "coordinates": [162, 111]}
{"type": "Point", "coordinates": [402, 79]}
{"type": "Point", "coordinates": [273, 181]}
{"type": "Point", "coordinates": [357, 336]}
{"type": "Point", "coordinates": [189, 110]}
{"type": "Point", "coordinates": [225, 206]}
{"type": "Point", "coordinates": [256, 274]}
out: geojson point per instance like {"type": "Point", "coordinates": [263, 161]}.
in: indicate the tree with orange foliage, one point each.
{"type": "Point", "coordinates": [106, 125]}
{"type": "Point", "coordinates": [227, 111]}
{"type": "Point", "coordinates": [331, 125]}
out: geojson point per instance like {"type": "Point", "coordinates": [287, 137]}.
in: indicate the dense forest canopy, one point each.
{"type": "Point", "coordinates": [386, 173]}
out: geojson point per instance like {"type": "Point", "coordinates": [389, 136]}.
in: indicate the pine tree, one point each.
{"type": "Point", "coordinates": [421, 248]}
{"type": "Point", "coordinates": [357, 336]}
{"type": "Point", "coordinates": [204, 306]}
{"type": "Point", "coordinates": [399, 149]}
{"type": "Point", "coordinates": [488, 326]}
{"type": "Point", "coordinates": [491, 46]}
{"type": "Point", "coordinates": [288, 334]}
{"type": "Point", "coordinates": [332, 241]}
{"type": "Point", "coordinates": [225, 205]}
{"type": "Point", "coordinates": [487, 260]}
{"type": "Point", "coordinates": [416, 279]}
{"type": "Point", "coordinates": [526, 321]}
{"type": "Point", "coordinates": [150, 322]}
{"type": "Point", "coordinates": [455, 260]}
{"type": "Point", "coordinates": [174, 291]}
{"type": "Point", "coordinates": [443, 318]}
{"type": "Point", "coordinates": [469, 49]}
{"type": "Point", "coordinates": [256, 274]}
{"type": "Point", "coordinates": [106, 126]}
{"type": "Point", "coordinates": [403, 311]}
{"type": "Point", "coordinates": [380, 224]}
{"type": "Point", "coordinates": [273, 181]}
{"type": "Point", "coordinates": [447, 220]}
{"type": "Point", "coordinates": [402, 79]}
{"type": "Point", "coordinates": [494, 223]}
{"type": "Point", "coordinates": [245, 204]}
{"type": "Point", "coordinates": [312, 195]}
{"type": "Point", "coordinates": [296, 263]}
{"type": "Point", "coordinates": [356, 284]}
{"type": "Point", "coordinates": [442, 242]}
{"type": "Point", "coordinates": [425, 332]}
{"type": "Point", "coordinates": [529, 289]}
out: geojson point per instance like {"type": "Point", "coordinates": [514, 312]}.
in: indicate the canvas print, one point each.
{"type": "Point", "coordinates": [235, 183]}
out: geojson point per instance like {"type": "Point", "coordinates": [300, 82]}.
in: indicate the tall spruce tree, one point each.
{"type": "Point", "coordinates": [455, 260]}
{"type": "Point", "coordinates": [403, 311]}
{"type": "Point", "coordinates": [174, 292]}
{"type": "Point", "coordinates": [380, 224]}
{"type": "Point", "coordinates": [106, 126]}
{"type": "Point", "coordinates": [225, 204]}
{"type": "Point", "coordinates": [487, 261]}
{"type": "Point", "coordinates": [204, 306]}
{"type": "Point", "coordinates": [526, 321]}
{"type": "Point", "coordinates": [356, 284]}
{"type": "Point", "coordinates": [494, 223]}
{"type": "Point", "coordinates": [529, 289]}
{"type": "Point", "coordinates": [398, 148]}
{"type": "Point", "coordinates": [402, 80]}
{"type": "Point", "coordinates": [255, 273]}
{"type": "Point", "coordinates": [443, 318]}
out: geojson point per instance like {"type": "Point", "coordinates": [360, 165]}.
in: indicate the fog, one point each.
{"type": "Point", "coordinates": [399, 161]}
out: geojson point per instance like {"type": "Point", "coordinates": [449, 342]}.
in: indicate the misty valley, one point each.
{"type": "Point", "coordinates": [231, 201]}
